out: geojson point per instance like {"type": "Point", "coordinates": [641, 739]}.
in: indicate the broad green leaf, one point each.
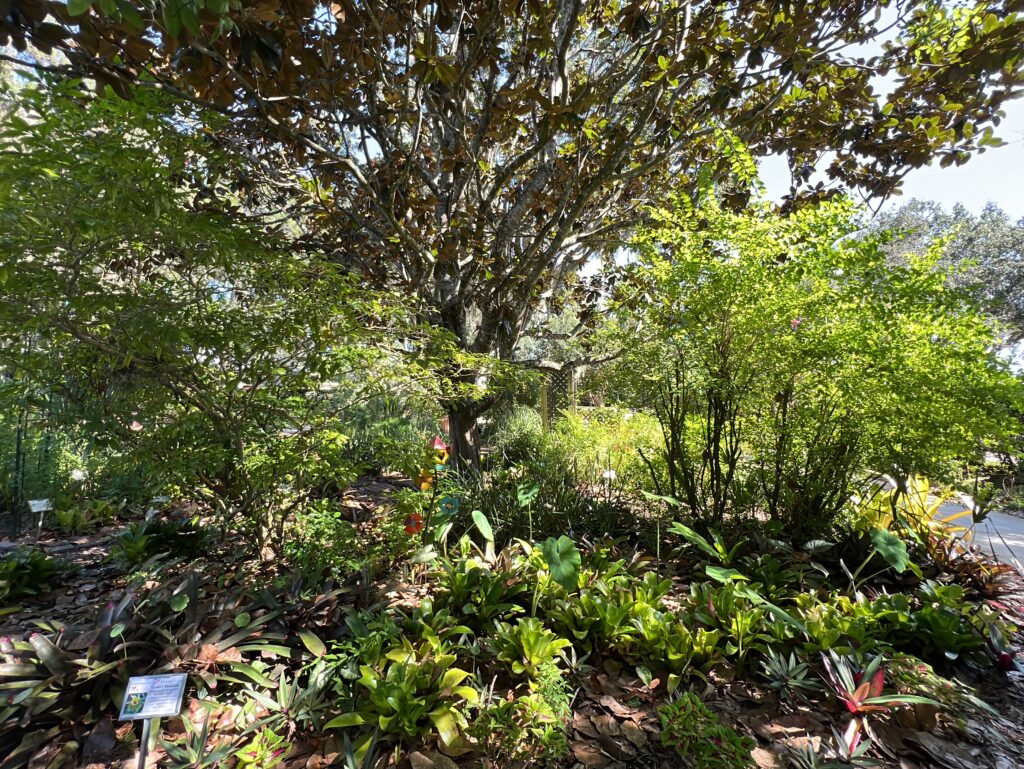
{"type": "Point", "coordinates": [252, 673]}
{"type": "Point", "coordinates": [891, 548]}
{"type": "Point", "coordinates": [483, 525]}
{"type": "Point", "coordinates": [445, 723]}
{"type": "Point", "coordinates": [722, 574]}
{"type": "Point", "coordinates": [179, 602]}
{"type": "Point", "coordinates": [453, 677]}
{"type": "Point", "coordinates": [312, 642]}
{"type": "Point", "coordinates": [426, 554]}
{"type": "Point", "coordinates": [526, 492]}
{"type": "Point", "coordinates": [347, 719]}
{"type": "Point", "coordinates": [694, 538]}
{"type": "Point", "coordinates": [563, 560]}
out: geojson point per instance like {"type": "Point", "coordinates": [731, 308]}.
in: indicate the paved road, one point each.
{"type": "Point", "coordinates": [999, 534]}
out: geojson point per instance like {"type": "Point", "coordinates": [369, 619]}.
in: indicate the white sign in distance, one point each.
{"type": "Point", "coordinates": [153, 696]}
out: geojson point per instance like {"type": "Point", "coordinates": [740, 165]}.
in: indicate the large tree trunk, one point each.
{"type": "Point", "coordinates": [464, 436]}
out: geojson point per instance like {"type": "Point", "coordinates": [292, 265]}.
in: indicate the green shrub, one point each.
{"type": "Point", "coordinates": [392, 433]}
{"type": "Point", "coordinates": [699, 737]}
{"type": "Point", "coordinates": [174, 538]}
{"type": "Point", "coordinates": [71, 517]}
{"type": "Point", "coordinates": [527, 647]}
{"type": "Point", "coordinates": [407, 686]}
{"type": "Point", "coordinates": [321, 542]}
{"type": "Point", "coordinates": [784, 356]}
{"type": "Point", "coordinates": [26, 571]}
{"type": "Point", "coordinates": [531, 729]}
{"type": "Point", "coordinates": [604, 447]}
{"type": "Point", "coordinates": [560, 504]}
{"type": "Point", "coordinates": [519, 436]}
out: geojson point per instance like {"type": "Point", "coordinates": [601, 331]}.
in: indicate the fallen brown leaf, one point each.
{"type": "Point", "coordinates": [590, 756]}
{"type": "Point", "coordinates": [632, 732]}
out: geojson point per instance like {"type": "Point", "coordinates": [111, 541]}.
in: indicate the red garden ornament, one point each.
{"type": "Point", "coordinates": [413, 524]}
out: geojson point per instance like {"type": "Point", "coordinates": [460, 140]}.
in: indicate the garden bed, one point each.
{"type": "Point", "coordinates": [523, 696]}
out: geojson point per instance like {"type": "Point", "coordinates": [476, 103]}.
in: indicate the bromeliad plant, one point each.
{"type": "Point", "coordinates": [527, 647]}
{"type": "Point", "coordinates": [861, 691]}
{"type": "Point", "coordinates": [788, 676]}
{"type": "Point", "coordinates": [195, 749]}
{"type": "Point", "coordinates": [26, 571]}
{"type": "Point", "coordinates": [79, 517]}
{"type": "Point", "coordinates": [411, 692]}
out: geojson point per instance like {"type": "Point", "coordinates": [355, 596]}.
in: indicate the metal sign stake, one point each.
{"type": "Point", "coordinates": [147, 728]}
{"type": "Point", "coordinates": [149, 698]}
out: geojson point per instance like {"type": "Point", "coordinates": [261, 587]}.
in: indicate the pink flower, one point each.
{"type": "Point", "coordinates": [795, 323]}
{"type": "Point", "coordinates": [135, 426]}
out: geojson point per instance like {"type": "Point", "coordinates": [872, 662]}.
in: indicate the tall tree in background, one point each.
{"type": "Point", "coordinates": [476, 153]}
{"type": "Point", "coordinates": [986, 253]}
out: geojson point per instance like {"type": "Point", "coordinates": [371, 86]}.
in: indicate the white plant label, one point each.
{"type": "Point", "coordinates": [153, 696]}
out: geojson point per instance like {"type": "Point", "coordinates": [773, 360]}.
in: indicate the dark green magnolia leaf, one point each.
{"type": "Point", "coordinates": [78, 7]}
{"type": "Point", "coordinates": [563, 560]}
{"type": "Point", "coordinates": [891, 548]}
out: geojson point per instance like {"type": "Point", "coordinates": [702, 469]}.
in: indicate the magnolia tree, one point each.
{"type": "Point", "coordinates": [145, 308]}
{"type": "Point", "coordinates": [785, 357]}
{"type": "Point", "coordinates": [475, 153]}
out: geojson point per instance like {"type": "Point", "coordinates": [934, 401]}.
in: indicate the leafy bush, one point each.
{"type": "Point", "coordinates": [518, 437]}
{"type": "Point", "coordinates": [784, 356]}
{"type": "Point", "coordinates": [543, 499]}
{"type": "Point", "coordinates": [249, 649]}
{"type": "Point", "coordinates": [175, 538]}
{"type": "Point", "coordinates": [392, 432]}
{"type": "Point", "coordinates": [606, 447]}
{"type": "Point", "coordinates": [26, 571]}
{"type": "Point", "coordinates": [530, 729]}
{"type": "Point", "coordinates": [700, 738]}
{"type": "Point", "coordinates": [408, 689]}
{"type": "Point", "coordinates": [527, 647]}
{"type": "Point", "coordinates": [224, 344]}
{"type": "Point", "coordinates": [71, 517]}
{"type": "Point", "coordinates": [479, 594]}
{"type": "Point", "coordinates": [322, 542]}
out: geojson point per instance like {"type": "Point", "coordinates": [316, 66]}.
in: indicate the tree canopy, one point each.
{"type": "Point", "coordinates": [475, 154]}
{"type": "Point", "coordinates": [985, 253]}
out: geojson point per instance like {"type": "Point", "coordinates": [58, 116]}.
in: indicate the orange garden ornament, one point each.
{"type": "Point", "coordinates": [425, 478]}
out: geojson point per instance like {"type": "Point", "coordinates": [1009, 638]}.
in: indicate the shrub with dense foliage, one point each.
{"type": "Point", "coordinates": [784, 357]}
{"type": "Point", "coordinates": [142, 303]}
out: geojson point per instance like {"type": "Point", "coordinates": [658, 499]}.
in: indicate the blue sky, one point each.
{"type": "Point", "coordinates": [997, 175]}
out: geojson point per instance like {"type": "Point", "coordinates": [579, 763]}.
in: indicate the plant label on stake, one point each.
{"type": "Point", "coordinates": [147, 698]}
{"type": "Point", "coordinates": [153, 696]}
